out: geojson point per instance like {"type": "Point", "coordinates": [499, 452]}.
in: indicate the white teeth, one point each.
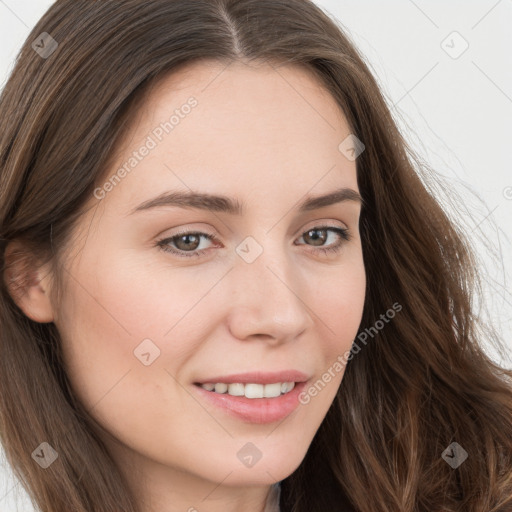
{"type": "Point", "coordinates": [287, 387]}
{"type": "Point", "coordinates": [236, 389]}
{"type": "Point", "coordinates": [250, 390]}
{"type": "Point", "coordinates": [272, 390]}
{"type": "Point", "coordinates": [254, 390]}
{"type": "Point", "coordinates": [221, 388]}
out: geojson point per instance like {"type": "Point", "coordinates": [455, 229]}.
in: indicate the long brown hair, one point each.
{"type": "Point", "coordinates": [418, 385]}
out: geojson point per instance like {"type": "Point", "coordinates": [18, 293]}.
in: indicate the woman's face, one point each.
{"type": "Point", "coordinates": [148, 314]}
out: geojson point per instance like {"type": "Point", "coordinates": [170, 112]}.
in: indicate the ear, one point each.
{"type": "Point", "coordinates": [28, 283]}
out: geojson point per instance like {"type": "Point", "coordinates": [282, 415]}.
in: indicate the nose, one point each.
{"type": "Point", "coordinates": [267, 300]}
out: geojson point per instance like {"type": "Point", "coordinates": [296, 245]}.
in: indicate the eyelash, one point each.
{"type": "Point", "coordinates": [332, 249]}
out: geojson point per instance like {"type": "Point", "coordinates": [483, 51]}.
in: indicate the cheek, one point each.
{"type": "Point", "coordinates": [99, 338]}
{"type": "Point", "coordinates": [338, 308]}
{"type": "Point", "coordinates": [110, 313]}
{"type": "Point", "coordinates": [338, 304]}
{"type": "Point", "coordinates": [105, 319]}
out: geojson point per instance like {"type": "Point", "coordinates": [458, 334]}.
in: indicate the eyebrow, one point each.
{"type": "Point", "coordinates": [219, 203]}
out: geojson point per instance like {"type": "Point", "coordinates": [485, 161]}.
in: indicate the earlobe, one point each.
{"type": "Point", "coordinates": [28, 286]}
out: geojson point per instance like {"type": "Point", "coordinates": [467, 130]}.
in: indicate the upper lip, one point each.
{"type": "Point", "coordinates": [258, 377]}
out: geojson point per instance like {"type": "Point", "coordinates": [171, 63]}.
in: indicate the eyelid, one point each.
{"type": "Point", "coordinates": [322, 223]}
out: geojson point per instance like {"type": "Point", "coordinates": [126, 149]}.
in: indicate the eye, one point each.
{"type": "Point", "coordinates": [342, 233]}
{"type": "Point", "coordinates": [187, 242]}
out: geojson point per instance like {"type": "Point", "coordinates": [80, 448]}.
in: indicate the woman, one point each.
{"type": "Point", "coordinates": [259, 373]}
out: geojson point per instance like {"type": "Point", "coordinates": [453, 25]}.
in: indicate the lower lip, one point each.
{"type": "Point", "coordinates": [255, 410]}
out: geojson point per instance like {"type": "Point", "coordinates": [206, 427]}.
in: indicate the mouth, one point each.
{"type": "Point", "coordinates": [250, 390]}
{"type": "Point", "coordinates": [254, 385]}
{"type": "Point", "coordinates": [254, 397]}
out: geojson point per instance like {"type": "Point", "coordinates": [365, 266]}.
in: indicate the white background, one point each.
{"type": "Point", "coordinates": [456, 113]}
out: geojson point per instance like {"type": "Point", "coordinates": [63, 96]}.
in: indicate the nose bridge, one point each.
{"type": "Point", "coordinates": [266, 291]}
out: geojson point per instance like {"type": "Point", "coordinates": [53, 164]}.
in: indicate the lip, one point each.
{"type": "Point", "coordinates": [258, 377]}
{"type": "Point", "coordinates": [254, 410]}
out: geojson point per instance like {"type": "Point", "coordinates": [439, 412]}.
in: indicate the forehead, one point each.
{"type": "Point", "coordinates": [237, 98]}
{"type": "Point", "coordinates": [251, 80]}
{"type": "Point", "coordinates": [264, 128]}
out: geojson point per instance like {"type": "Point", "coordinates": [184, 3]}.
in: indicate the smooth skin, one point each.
{"type": "Point", "coordinates": [268, 137]}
